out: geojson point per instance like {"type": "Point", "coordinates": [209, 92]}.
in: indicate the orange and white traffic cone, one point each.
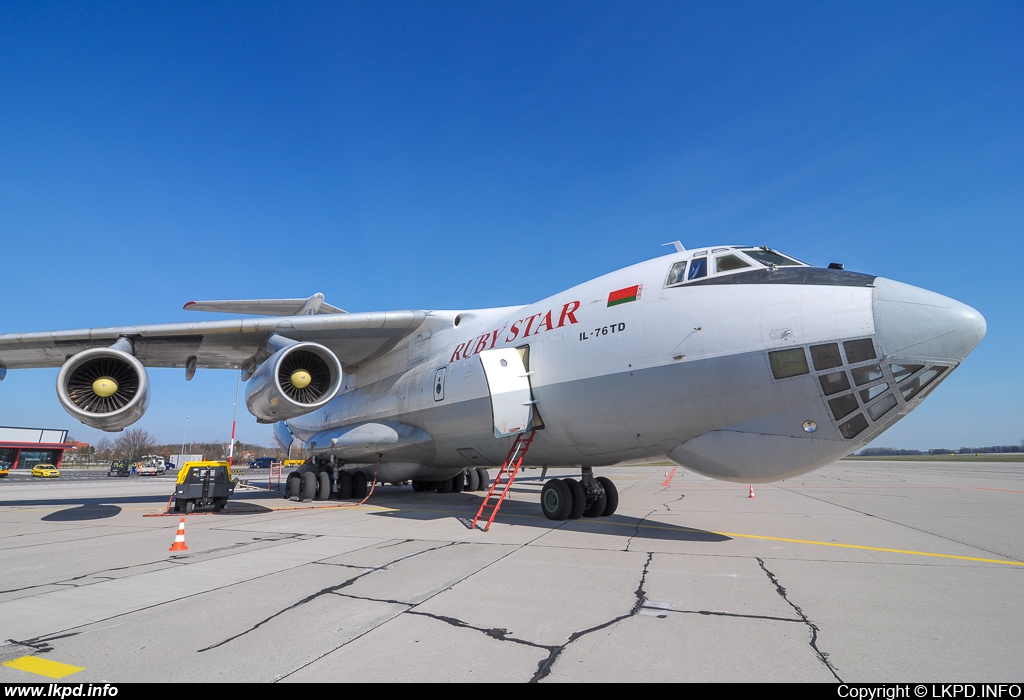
{"type": "Point", "coordinates": [750, 496]}
{"type": "Point", "coordinates": [179, 539]}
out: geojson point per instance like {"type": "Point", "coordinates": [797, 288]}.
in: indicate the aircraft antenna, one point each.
{"type": "Point", "coordinates": [678, 246]}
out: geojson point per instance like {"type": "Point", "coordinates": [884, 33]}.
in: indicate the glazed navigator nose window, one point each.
{"type": "Point", "coordinates": [788, 363]}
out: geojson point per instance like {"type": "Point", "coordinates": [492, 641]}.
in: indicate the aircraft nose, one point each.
{"type": "Point", "coordinates": [915, 322]}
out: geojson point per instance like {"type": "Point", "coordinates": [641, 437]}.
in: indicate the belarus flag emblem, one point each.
{"type": "Point", "coordinates": [625, 295]}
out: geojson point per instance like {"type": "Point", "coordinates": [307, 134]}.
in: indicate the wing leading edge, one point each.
{"type": "Point", "coordinates": [235, 344]}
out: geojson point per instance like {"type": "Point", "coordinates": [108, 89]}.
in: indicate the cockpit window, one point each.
{"type": "Point", "coordinates": [675, 275]}
{"type": "Point", "coordinates": [725, 260]}
{"type": "Point", "coordinates": [767, 256]}
{"type": "Point", "coordinates": [727, 263]}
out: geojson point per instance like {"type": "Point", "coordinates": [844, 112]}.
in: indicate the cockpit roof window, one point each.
{"type": "Point", "coordinates": [767, 256]}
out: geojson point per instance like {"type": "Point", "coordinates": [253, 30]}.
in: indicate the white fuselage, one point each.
{"type": "Point", "coordinates": [682, 372]}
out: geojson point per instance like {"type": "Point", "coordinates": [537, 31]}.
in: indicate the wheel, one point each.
{"type": "Point", "coordinates": [308, 486]}
{"type": "Point", "coordinates": [596, 509]}
{"type": "Point", "coordinates": [485, 478]}
{"type": "Point", "coordinates": [459, 482]}
{"type": "Point", "coordinates": [579, 498]}
{"type": "Point", "coordinates": [344, 486]}
{"type": "Point", "coordinates": [190, 507]}
{"type": "Point", "coordinates": [359, 482]}
{"type": "Point", "coordinates": [556, 500]}
{"type": "Point", "coordinates": [444, 486]}
{"type": "Point", "coordinates": [293, 486]}
{"type": "Point", "coordinates": [419, 486]}
{"type": "Point", "coordinates": [323, 490]}
{"type": "Point", "coordinates": [218, 504]}
{"type": "Point", "coordinates": [611, 494]}
{"type": "Point", "coordinates": [472, 480]}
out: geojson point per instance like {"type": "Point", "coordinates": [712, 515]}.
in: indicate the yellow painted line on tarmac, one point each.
{"type": "Point", "coordinates": [862, 547]}
{"type": "Point", "coordinates": [43, 667]}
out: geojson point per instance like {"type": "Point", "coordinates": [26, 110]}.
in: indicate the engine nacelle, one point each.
{"type": "Point", "coordinates": [104, 388]}
{"type": "Point", "coordinates": [294, 381]}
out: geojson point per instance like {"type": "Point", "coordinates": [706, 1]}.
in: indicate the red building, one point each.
{"type": "Point", "coordinates": [23, 448]}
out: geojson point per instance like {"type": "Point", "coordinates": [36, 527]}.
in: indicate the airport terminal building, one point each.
{"type": "Point", "coordinates": [24, 448]}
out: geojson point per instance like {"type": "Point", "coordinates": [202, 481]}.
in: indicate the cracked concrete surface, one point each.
{"type": "Point", "coordinates": [655, 593]}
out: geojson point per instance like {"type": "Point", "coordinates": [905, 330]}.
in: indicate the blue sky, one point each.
{"type": "Point", "coordinates": [463, 154]}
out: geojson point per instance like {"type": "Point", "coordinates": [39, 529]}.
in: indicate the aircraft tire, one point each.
{"type": "Point", "coordinates": [293, 486]}
{"type": "Point", "coordinates": [579, 498]}
{"type": "Point", "coordinates": [344, 486]}
{"type": "Point", "coordinates": [611, 495]}
{"type": "Point", "coordinates": [359, 482]}
{"type": "Point", "coordinates": [556, 500]}
{"type": "Point", "coordinates": [308, 486]}
{"type": "Point", "coordinates": [472, 480]}
{"type": "Point", "coordinates": [596, 509]}
{"type": "Point", "coordinates": [459, 482]}
{"type": "Point", "coordinates": [485, 478]}
{"type": "Point", "coordinates": [419, 486]}
{"type": "Point", "coordinates": [444, 486]}
{"type": "Point", "coordinates": [323, 491]}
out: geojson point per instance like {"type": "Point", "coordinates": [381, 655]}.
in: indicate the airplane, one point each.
{"type": "Point", "coordinates": [740, 363]}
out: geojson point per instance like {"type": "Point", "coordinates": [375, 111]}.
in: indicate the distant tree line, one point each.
{"type": "Point", "coordinates": [891, 451]}
{"type": "Point", "coordinates": [135, 443]}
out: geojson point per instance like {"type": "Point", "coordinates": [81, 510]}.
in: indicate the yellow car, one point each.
{"type": "Point", "coordinates": [45, 470]}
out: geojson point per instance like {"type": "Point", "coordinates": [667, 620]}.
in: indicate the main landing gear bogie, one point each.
{"type": "Point", "coordinates": [320, 484]}
{"type": "Point", "coordinates": [568, 499]}
{"type": "Point", "coordinates": [471, 479]}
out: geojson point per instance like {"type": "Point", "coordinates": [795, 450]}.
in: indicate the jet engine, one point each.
{"type": "Point", "coordinates": [105, 388]}
{"type": "Point", "coordinates": [295, 380]}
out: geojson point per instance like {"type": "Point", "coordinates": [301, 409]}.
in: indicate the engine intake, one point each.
{"type": "Point", "coordinates": [294, 381]}
{"type": "Point", "coordinates": [104, 388]}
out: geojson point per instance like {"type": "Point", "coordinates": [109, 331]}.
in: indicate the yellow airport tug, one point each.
{"type": "Point", "coordinates": [203, 486]}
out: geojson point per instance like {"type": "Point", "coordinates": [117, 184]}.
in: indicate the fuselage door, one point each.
{"type": "Point", "coordinates": [509, 386]}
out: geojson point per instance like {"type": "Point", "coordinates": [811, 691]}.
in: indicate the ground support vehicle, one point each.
{"type": "Point", "coordinates": [203, 486]}
{"type": "Point", "coordinates": [118, 469]}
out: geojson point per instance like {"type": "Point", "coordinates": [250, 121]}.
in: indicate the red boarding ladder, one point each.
{"type": "Point", "coordinates": [505, 477]}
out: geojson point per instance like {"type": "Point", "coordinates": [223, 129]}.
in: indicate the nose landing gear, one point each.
{"type": "Point", "coordinates": [568, 499]}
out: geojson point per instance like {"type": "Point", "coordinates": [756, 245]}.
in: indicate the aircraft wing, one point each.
{"type": "Point", "coordinates": [268, 307]}
{"type": "Point", "coordinates": [234, 344]}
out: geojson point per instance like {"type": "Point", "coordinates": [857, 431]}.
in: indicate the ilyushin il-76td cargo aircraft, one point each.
{"type": "Point", "coordinates": [737, 362]}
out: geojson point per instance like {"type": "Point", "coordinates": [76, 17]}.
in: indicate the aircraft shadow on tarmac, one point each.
{"type": "Point", "coordinates": [83, 511]}
{"type": "Point", "coordinates": [526, 513]}
{"type": "Point", "coordinates": [102, 508]}
{"type": "Point", "coordinates": [77, 509]}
